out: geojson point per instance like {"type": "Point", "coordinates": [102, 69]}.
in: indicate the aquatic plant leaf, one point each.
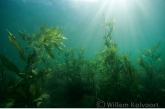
{"type": "Point", "coordinates": [17, 45]}
{"type": "Point", "coordinates": [43, 96]}
{"type": "Point", "coordinates": [163, 90]}
{"type": "Point", "coordinates": [44, 58]}
{"type": "Point", "coordinates": [22, 56]}
{"type": "Point", "coordinates": [32, 89]}
{"type": "Point", "coordinates": [108, 26]}
{"type": "Point", "coordinates": [153, 49]}
{"type": "Point", "coordinates": [39, 43]}
{"type": "Point", "coordinates": [41, 73]}
{"type": "Point", "coordinates": [50, 33]}
{"type": "Point", "coordinates": [8, 104]}
{"type": "Point", "coordinates": [60, 37]}
{"type": "Point", "coordinates": [62, 44]}
{"type": "Point", "coordinates": [129, 70]}
{"type": "Point", "coordinates": [41, 31]}
{"type": "Point", "coordinates": [39, 103]}
{"type": "Point", "coordinates": [28, 38]}
{"type": "Point", "coordinates": [57, 46]}
{"type": "Point", "coordinates": [37, 49]}
{"type": "Point", "coordinates": [32, 57]}
{"type": "Point", "coordinates": [14, 41]}
{"type": "Point", "coordinates": [22, 35]}
{"type": "Point", "coordinates": [48, 49]}
{"type": "Point", "coordinates": [159, 59]}
{"type": "Point", "coordinates": [9, 65]}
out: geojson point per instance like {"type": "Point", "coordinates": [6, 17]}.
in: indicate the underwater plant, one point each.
{"type": "Point", "coordinates": [116, 73]}
{"type": "Point", "coordinates": [153, 72]}
{"type": "Point", "coordinates": [44, 39]}
{"type": "Point", "coordinates": [151, 56]}
{"type": "Point", "coordinates": [68, 79]}
{"type": "Point", "coordinates": [28, 91]}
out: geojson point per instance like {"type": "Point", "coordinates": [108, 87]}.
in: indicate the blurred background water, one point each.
{"type": "Point", "coordinates": [139, 23]}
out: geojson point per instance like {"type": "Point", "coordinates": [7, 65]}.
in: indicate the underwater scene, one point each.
{"type": "Point", "coordinates": [82, 53]}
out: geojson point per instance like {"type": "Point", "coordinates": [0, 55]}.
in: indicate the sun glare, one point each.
{"type": "Point", "coordinates": [84, 0]}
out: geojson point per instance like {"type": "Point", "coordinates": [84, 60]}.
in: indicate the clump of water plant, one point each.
{"type": "Point", "coordinates": [28, 90]}
{"type": "Point", "coordinates": [68, 79]}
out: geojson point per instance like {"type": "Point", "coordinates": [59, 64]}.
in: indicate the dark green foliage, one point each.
{"type": "Point", "coordinates": [75, 81]}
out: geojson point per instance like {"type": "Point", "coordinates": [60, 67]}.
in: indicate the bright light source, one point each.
{"type": "Point", "coordinates": [84, 0]}
{"type": "Point", "coordinates": [90, 0]}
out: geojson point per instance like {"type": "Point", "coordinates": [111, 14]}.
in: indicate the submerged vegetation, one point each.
{"type": "Point", "coordinates": [75, 81]}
